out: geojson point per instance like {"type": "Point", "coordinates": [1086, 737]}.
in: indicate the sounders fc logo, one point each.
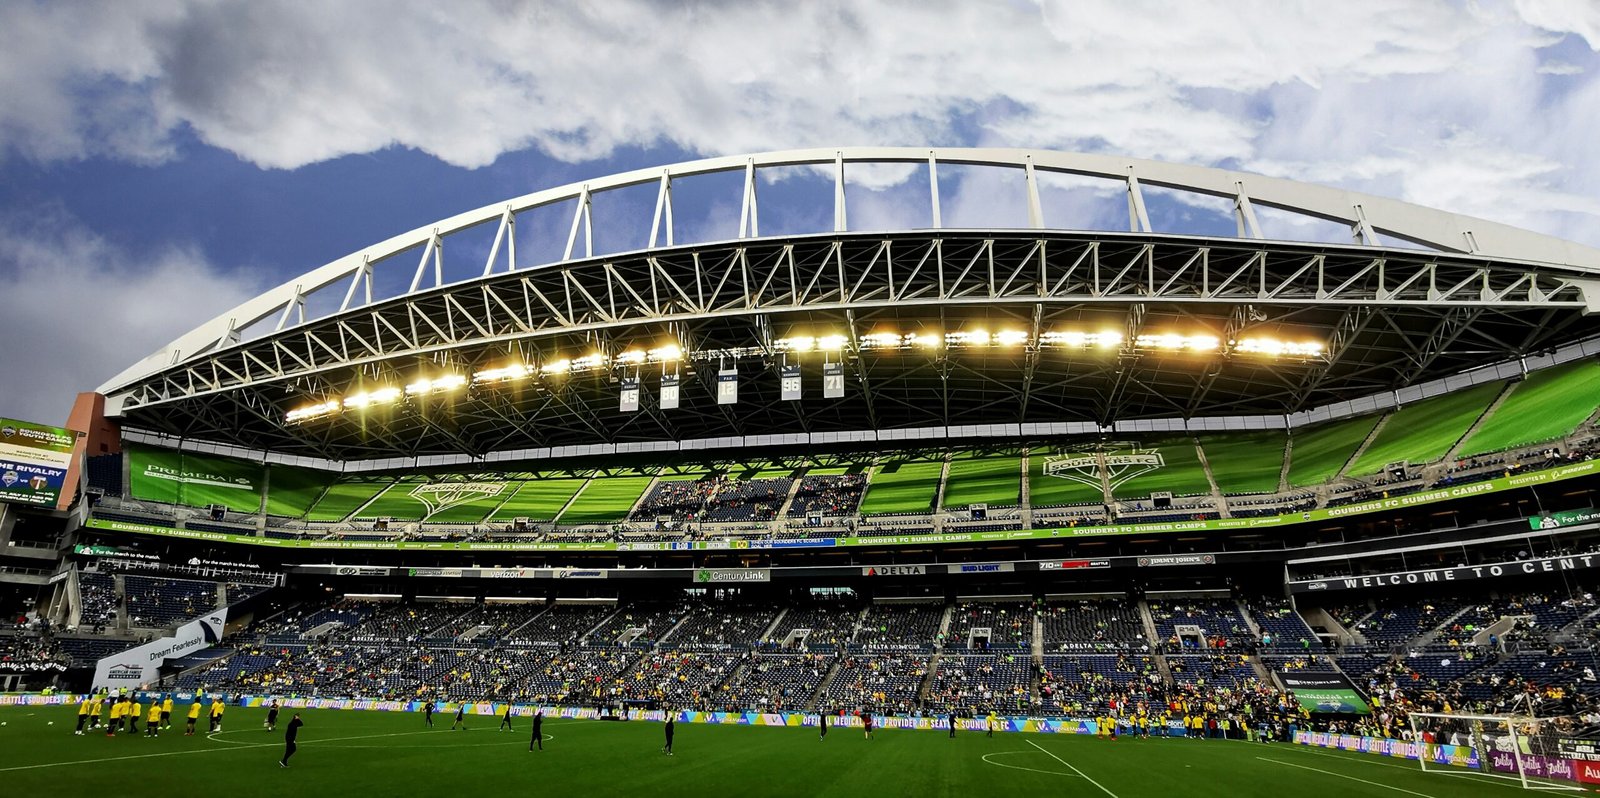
{"type": "Point", "coordinates": [1121, 460]}
{"type": "Point", "coordinates": [437, 496]}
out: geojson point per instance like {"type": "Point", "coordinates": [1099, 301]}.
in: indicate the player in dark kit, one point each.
{"type": "Point", "coordinates": [538, 734]}
{"type": "Point", "coordinates": [461, 718]}
{"type": "Point", "coordinates": [822, 725]}
{"type": "Point", "coordinates": [289, 736]}
{"type": "Point", "coordinates": [667, 749]}
{"type": "Point", "coordinates": [505, 720]}
{"type": "Point", "coordinates": [866, 724]}
{"type": "Point", "coordinates": [272, 716]}
{"type": "Point", "coordinates": [952, 720]}
{"type": "Point", "coordinates": [427, 713]}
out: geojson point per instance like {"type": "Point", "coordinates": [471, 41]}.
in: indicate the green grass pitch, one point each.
{"type": "Point", "coordinates": [358, 753]}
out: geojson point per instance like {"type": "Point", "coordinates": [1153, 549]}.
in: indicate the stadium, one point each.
{"type": "Point", "coordinates": [1308, 497]}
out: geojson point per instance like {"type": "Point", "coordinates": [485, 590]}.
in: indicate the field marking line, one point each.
{"type": "Point", "coordinates": [130, 756]}
{"type": "Point", "coordinates": [1079, 772]}
{"type": "Point", "coordinates": [1344, 776]}
{"type": "Point", "coordinates": [1480, 778]}
{"type": "Point", "coordinates": [987, 760]}
{"type": "Point", "coordinates": [214, 738]}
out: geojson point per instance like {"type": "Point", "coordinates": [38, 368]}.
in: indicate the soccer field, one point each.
{"type": "Point", "coordinates": [349, 753]}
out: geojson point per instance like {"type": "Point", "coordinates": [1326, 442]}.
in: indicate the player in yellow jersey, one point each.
{"type": "Point", "coordinates": [115, 717]}
{"type": "Point", "coordinates": [194, 715]}
{"type": "Point", "coordinates": [83, 715]}
{"type": "Point", "coordinates": [216, 714]}
{"type": "Point", "coordinates": [152, 725]}
{"type": "Point", "coordinates": [132, 713]}
{"type": "Point", "coordinates": [166, 711]}
{"type": "Point", "coordinates": [95, 703]}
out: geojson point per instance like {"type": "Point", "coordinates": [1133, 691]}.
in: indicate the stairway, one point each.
{"type": "Point", "coordinates": [1377, 429]}
{"type": "Point", "coordinates": [1499, 399]}
{"type": "Point", "coordinates": [815, 699]}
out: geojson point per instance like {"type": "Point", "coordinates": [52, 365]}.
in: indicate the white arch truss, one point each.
{"type": "Point", "coordinates": [1372, 220]}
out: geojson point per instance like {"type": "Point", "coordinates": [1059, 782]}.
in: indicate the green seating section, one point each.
{"type": "Point", "coordinates": [1246, 462]}
{"type": "Point", "coordinates": [1053, 481]}
{"type": "Point", "coordinates": [292, 491]}
{"type": "Point", "coordinates": [538, 500]}
{"type": "Point", "coordinates": [606, 500]}
{"type": "Point", "coordinates": [1424, 431]}
{"type": "Point", "coordinates": [907, 486]}
{"type": "Point", "coordinates": [1549, 404]}
{"type": "Point", "coordinates": [991, 480]}
{"type": "Point", "coordinates": [1317, 453]}
{"type": "Point", "coordinates": [1177, 469]}
{"type": "Point", "coordinates": [345, 497]}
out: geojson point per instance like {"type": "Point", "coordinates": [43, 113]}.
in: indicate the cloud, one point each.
{"type": "Point", "coordinates": [1422, 99]}
{"type": "Point", "coordinates": [82, 308]}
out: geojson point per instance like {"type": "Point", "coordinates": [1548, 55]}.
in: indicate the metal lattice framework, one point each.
{"type": "Point", "coordinates": [1390, 316]}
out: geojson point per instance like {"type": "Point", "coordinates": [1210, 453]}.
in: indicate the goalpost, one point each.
{"type": "Point", "coordinates": [1519, 748]}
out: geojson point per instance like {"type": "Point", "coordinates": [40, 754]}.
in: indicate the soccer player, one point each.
{"type": "Point", "coordinates": [822, 725]}
{"type": "Point", "coordinates": [152, 724]}
{"type": "Point", "coordinates": [95, 704]}
{"type": "Point", "coordinates": [427, 712]}
{"type": "Point", "coordinates": [194, 715]}
{"type": "Point", "coordinates": [505, 720]}
{"type": "Point", "coordinates": [166, 712]}
{"type": "Point", "coordinates": [952, 720]}
{"type": "Point", "coordinates": [992, 721]}
{"type": "Point", "coordinates": [216, 713]}
{"type": "Point", "coordinates": [83, 715]}
{"type": "Point", "coordinates": [272, 716]}
{"type": "Point", "coordinates": [461, 718]}
{"type": "Point", "coordinates": [866, 724]}
{"type": "Point", "coordinates": [114, 718]}
{"type": "Point", "coordinates": [289, 735]}
{"type": "Point", "coordinates": [667, 749]}
{"type": "Point", "coordinates": [132, 714]}
{"type": "Point", "coordinates": [538, 724]}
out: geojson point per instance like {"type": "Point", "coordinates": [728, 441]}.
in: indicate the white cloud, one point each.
{"type": "Point", "coordinates": [81, 308]}
{"type": "Point", "coordinates": [1433, 101]}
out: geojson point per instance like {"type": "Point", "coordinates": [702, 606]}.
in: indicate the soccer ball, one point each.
{"type": "Point", "coordinates": [50, 723]}
{"type": "Point", "coordinates": [2, 723]}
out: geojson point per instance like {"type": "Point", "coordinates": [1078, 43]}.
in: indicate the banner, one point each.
{"type": "Point", "coordinates": [731, 575]}
{"type": "Point", "coordinates": [33, 462]}
{"type": "Point", "coordinates": [195, 480]}
{"type": "Point", "coordinates": [669, 392]}
{"type": "Point", "coordinates": [1462, 573]}
{"type": "Point", "coordinates": [981, 568]}
{"type": "Point", "coordinates": [1070, 565]}
{"type": "Point", "coordinates": [1561, 519]}
{"type": "Point", "coordinates": [630, 395]}
{"type": "Point", "coordinates": [833, 380]}
{"type": "Point", "coordinates": [789, 383]}
{"type": "Point", "coordinates": [1178, 559]}
{"type": "Point", "coordinates": [141, 665]}
{"type": "Point", "coordinates": [895, 570]}
{"type": "Point", "coordinates": [1324, 691]}
{"type": "Point", "coordinates": [728, 387]}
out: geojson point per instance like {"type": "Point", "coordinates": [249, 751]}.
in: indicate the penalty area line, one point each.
{"type": "Point", "coordinates": [1079, 772]}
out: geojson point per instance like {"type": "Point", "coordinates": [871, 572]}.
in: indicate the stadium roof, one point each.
{"type": "Point", "coordinates": [400, 350]}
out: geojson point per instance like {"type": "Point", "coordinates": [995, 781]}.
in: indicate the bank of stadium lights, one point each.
{"type": "Point", "coordinates": [1078, 339]}
{"type": "Point", "coordinates": [1173, 342]}
{"type": "Point", "coordinates": [310, 412]}
{"type": "Point", "coordinates": [809, 343]}
{"type": "Point", "coordinates": [441, 384]}
{"type": "Point", "coordinates": [1276, 348]}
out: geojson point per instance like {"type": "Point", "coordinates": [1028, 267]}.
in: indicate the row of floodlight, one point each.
{"type": "Point", "coordinates": [875, 341]}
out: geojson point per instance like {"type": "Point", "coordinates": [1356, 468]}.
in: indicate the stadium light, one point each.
{"type": "Point", "coordinates": [632, 357]}
{"type": "Point", "coordinates": [504, 373]}
{"type": "Point", "coordinates": [1276, 348]}
{"type": "Point", "coordinates": [665, 354]}
{"type": "Point", "coordinates": [377, 396]}
{"type": "Point", "coordinates": [1010, 337]}
{"type": "Point", "coordinates": [884, 340]}
{"type": "Point", "coordinates": [315, 411]}
{"type": "Point", "coordinates": [591, 361]}
{"type": "Point", "coordinates": [443, 384]}
{"type": "Point", "coordinates": [795, 343]}
{"type": "Point", "coordinates": [830, 343]}
{"type": "Point", "coordinates": [925, 340]}
{"type": "Point", "coordinates": [1175, 342]}
{"type": "Point", "coordinates": [561, 366]}
{"type": "Point", "coordinates": [1080, 339]}
{"type": "Point", "coordinates": [967, 338]}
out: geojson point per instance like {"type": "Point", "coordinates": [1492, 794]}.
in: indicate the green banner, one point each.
{"type": "Point", "coordinates": [1566, 518]}
{"type": "Point", "coordinates": [195, 480]}
{"type": "Point", "coordinates": [1528, 479]}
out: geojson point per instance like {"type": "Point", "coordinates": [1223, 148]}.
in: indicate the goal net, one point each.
{"type": "Point", "coordinates": [1518, 748]}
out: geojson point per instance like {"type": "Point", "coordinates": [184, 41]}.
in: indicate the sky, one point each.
{"type": "Point", "coordinates": [161, 162]}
